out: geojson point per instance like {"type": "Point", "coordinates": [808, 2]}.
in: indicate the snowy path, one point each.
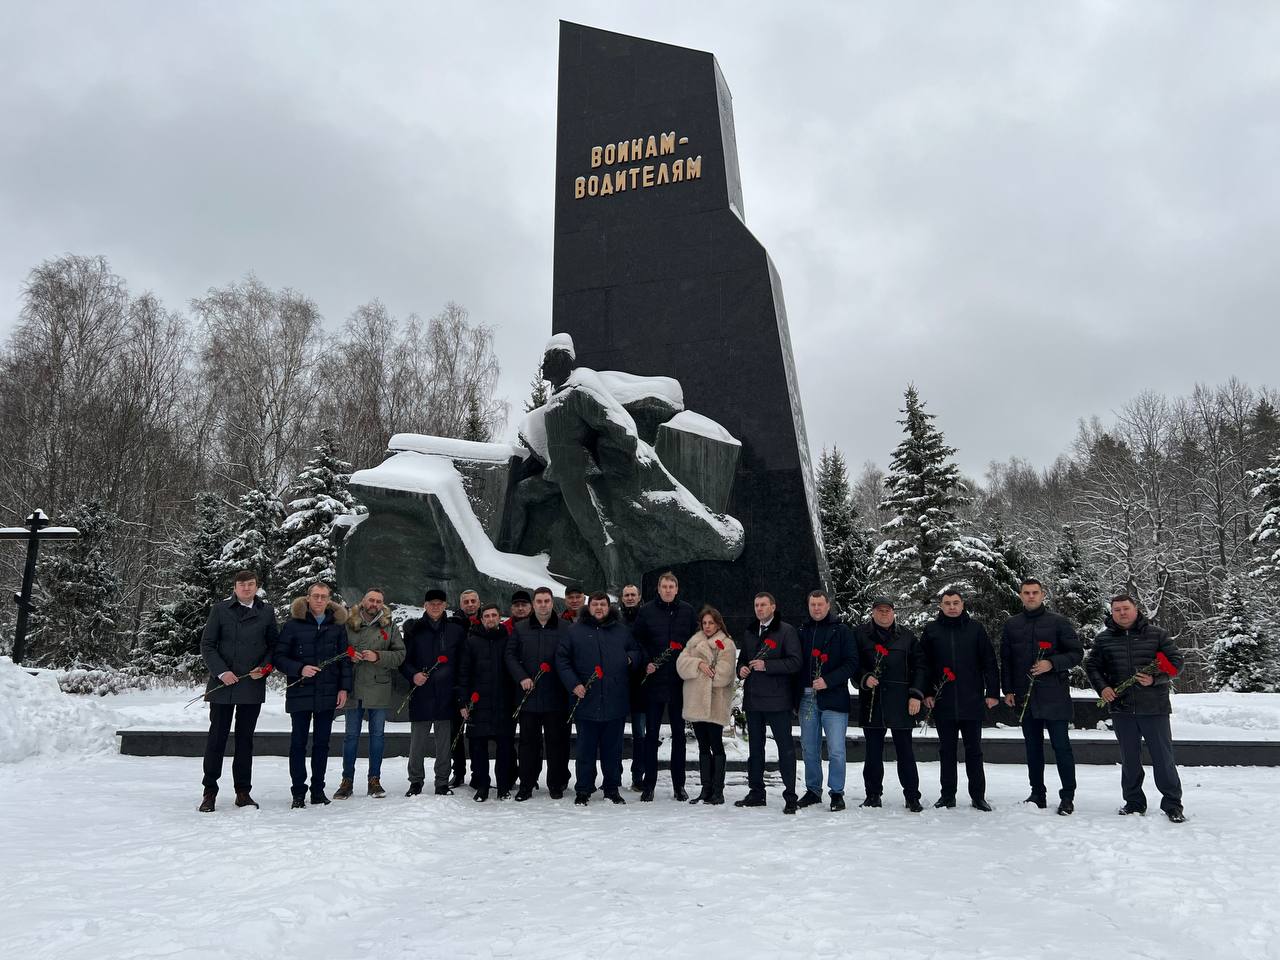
{"type": "Point", "coordinates": [107, 858]}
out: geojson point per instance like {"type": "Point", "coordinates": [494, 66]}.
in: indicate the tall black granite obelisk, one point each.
{"type": "Point", "coordinates": [657, 274]}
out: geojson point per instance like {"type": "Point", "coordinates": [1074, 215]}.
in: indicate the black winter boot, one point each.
{"type": "Point", "coordinates": [717, 781]}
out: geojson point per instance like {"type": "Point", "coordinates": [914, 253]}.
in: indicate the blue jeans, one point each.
{"type": "Point", "coordinates": [351, 745]}
{"type": "Point", "coordinates": [813, 724]}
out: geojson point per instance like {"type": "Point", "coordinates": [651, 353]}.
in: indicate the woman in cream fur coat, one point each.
{"type": "Point", "coordinates": [706, 666]}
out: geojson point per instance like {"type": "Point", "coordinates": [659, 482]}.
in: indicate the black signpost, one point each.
{"type": "Point", "coordinates": [36, 530]}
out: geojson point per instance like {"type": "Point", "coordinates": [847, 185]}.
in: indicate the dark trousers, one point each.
{"type": "Point", "coordinates": [459, 748]}
{"type": "Point", "coordinates": [1130, 731]}
{"type": "Point", "coordinates": [1033, 734]}
{"type": "Point", "coordinates": [652, 730]}
{"type": "Point", "coordinates": [873, 762]}
{"type": "Point", "coordinates": [710, 739]}
{"type": "Point", "coordinates": [971, 730]}
{"type": "Point", "coordinates": [780, 723]}
{"type": "Point", "coordinates": [302, 727]}
{"type": "Point", "coordinates": [638, 726]}
{"type": "Point", "coordinates": [603, 739]}
{"type": "Point", "coordinates": [547, 732]}
{"type": "Point", "coordinates": [504, 749]}
{"type": "Point", "coordinates": [215, 747]}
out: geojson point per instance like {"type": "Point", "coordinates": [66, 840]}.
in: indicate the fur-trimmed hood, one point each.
{"type": "Point", "coordinates": [298, 610]}
{"type": "Point", "coordinates": [356, 621]}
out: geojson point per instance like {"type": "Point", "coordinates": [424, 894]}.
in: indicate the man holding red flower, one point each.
{"type": "Point", "coordinates": [1131, 665]}
{"type": "Point", "coordinates": [767, 662]}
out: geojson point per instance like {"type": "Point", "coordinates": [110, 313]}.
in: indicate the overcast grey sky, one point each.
{"type": "Point", "coordinates": [1032, 210]}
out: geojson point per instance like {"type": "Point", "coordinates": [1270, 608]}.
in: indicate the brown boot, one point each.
{"type": "Point", "coordinates": [244, 800]}
{"type": "Point", "coordinates": [344, 790]}
{"type": "Point", "coordinates": [375, 788]}
{"type": "Point", "coordinates": [206, 805]}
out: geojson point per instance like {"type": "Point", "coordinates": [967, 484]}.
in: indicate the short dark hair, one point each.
{"type": "Point", "coordinates": [541, 590]}
{"type": "Point", "coordinates": [1030, 581]}
{"type": "Point", "coordinates": [767, 595]}
{"type": "Point", "coordinates": [598, 595]}
{"type": "Point", "coordinates": [953, 592]}
{"type": "Point", "coordinates": [1123, 598]}
{"type": "Point", "coordinates": [815, 594]}
{"type": "Point", "coordinates": [491, 606]}
{"type": "Point", "coordinates": [378, 590]}
{"type": "Point", "coordinates": [244, 576]}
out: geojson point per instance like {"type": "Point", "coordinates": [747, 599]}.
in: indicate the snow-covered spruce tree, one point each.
{"type": "Point", "coordinates": [170, 639]}
{"type": "Point", "coordinates": [926, 547]}
{"type": "Point", "coordinates": [321, 496]}
{"type": "Point", "coordinates": [257, 542]}
{"type": "Point", "coordinates": [1244, 657]}
{"type": "Point", "coordinates": [77, 612]}
{"type": "Point", "coordinates": [846, 543]}
{"type": "Point", "coordinates": [1074, 592]}
{"type": "Point", "coordinates": [1265, 488]}
{"type": "Point", "coordinates": [538, 393]}
{"type": "Point", "coordinates": [995, 569]}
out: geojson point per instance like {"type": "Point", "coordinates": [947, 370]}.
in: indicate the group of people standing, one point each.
{"type": "Point", "coordinates": [513, 686]}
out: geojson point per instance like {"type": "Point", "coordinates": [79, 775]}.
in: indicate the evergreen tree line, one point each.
{"type": "Point", "coordinates": [186, 443]}
{"type": "Point", "coordinates": [1176, 503]}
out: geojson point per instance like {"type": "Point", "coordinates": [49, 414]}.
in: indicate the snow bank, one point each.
{"type": "Point", "coordinates": [36, 718]}
{"type": "Point", "coordinates": [455, 449]}
{"type": "Point", "coordinates": [429, 474]}
{"type": "Point", "coordinates": [689, 422]}
{"type": "Point", "coordinates": [629, 387]}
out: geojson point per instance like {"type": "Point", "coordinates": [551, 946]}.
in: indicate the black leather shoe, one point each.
{"type": "Point", "coordinates": [444, 790]}
{"type": "Point", "coordinates": [1175, 815]}
{"type": "Point", "coordinates": [415, 788]}
{"type": "Point", "coordinates": [1066, 808]}
{"type": "Point", "coordinates": [680, 795]}
{"type": "Point", "coordinates": [458, 779]}
{"type": "Point", "coordinates": [581, 799]}
{"type": "Point", "coordinates": [1129, 809]}
{"type": "Point", "coordinates": [646, 796]}
{"type": "Point", "coordinates": [298, 803]}
{"type": "Point", "coordinates": [944, 803]}
{"type": "Point", "coordinates": [504, 794]}
{"type": "Point", "coordinates": [809, 799]}
{"type": "Point", "coordinates": [914, 806]}
{"type": "Point", "coordinates": [790, 806]}
{"type": "Point", "coordinates": [872, 801]}
{"type": "Point", "coordinates": [614, 797]}
{"type": "Point", "coordinates": [319, 799]}
{"type": "Point", "coordinates": [1038, 799]}
{"type": "Point", "coordinates": [837, 802]}
{"type": "Point", "coordinates": [981, 804]}
{"type": "Point", "coordinates": [482, 794]}
{"type": "Point", "coordinates": [522, 795]}
{"type": "Point", "coordinates": [556, 794]}
{"type": "Point", "coordinates": [750, 800]}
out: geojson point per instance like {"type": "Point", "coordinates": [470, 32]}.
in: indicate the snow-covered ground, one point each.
{"type": "Point", "coordinates": [106, 857]}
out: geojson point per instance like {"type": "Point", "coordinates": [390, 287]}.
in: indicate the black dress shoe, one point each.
{"type": "Point", "coordinates": [680, 795]}
{"type": "Point", "coordinates": [444, 790]}
{"type": "Point", "coordinates": [790, 806]}
{"type": "Point", "coordinates": [614, 797]}
{"type": "Point", "coordinates": [581, 799]}
{"type": "Point", "coordinates": [981, 804]}
{"type": "Point", "coordinates": [522, 795]}
{"type": "Point", "coordinates": [750, 800]}
{"type": "Point", "coordinates": [944, 803]}
{"type": "Point", "coordinates": [298, 803]}
{"type": "Point", "coordinates": [837, 802]}
{"type": "Point", "coordinates": [319, 799]}
{"type": "Point", "coordinates": [557, 794]}
{"type": "Point", "coordinates": [872, 801]}
{"type": "Point", "coordinates": [914, 806]}
{"type": "Point", "coordinates": [458, 779]}
{"type": "Point", "coordinates": [1129, 809]}
{"type": "Point", "coordinates": [1066, 808]}
{"type": "Point", "coordinates": [504, 794]}
{"type": "Point", "coordinates": [415, 788]}
{"type": "Point", "coordinates": [1175, 815]}
{"type": "Point", "coordinates": [637, 786]}
{"type": "Point", "coordinates": [482, 794]}
{"type": "Point", "coordinates": [809, 799]}
{"type": "Point", "coordinates": [1038, 799]}
{"type": "Point", "coordinates": [646, 797]}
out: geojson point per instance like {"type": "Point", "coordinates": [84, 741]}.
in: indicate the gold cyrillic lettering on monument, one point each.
{"type": "Point", "coordinates": [641, 176]}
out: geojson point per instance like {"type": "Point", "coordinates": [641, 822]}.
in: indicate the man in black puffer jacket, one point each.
{"type": "Point", "coordinates": [828, 661]}
{"type": "Point", "coordinates": [957, 642]}
{"type": "Point", "coordinates": [433, 649]}
{"type": "Point", "coordinates": [1128, 647]}
{"type": "Point", "coordinates": [768, 658]}
{"type": "Point", "coordinates": [662, 628]}
{"type": "Point", "coordinates": [485, 693]}
{"type": "Point", "coordinates": [315, 635]}
{"type": "Point", "coordinates": [1038, 649]}
{"type": "Point", "coordinates": [544, 702]}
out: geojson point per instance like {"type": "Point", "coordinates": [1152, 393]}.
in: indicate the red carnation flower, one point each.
{"type": "Point", "coordinates": [948, 673]}
{"type": "Point", "coordinates": [266, 668]}
{"type": "Point", "coordinates": [824, 658]}
{"type": "Point", "coordinates": [442, 659]}
{"type": "Point", "coordinates": [882, 649]}
{"type": "Point", "coordinates": [544, 668]}
{"type": "Point", "coordinates": [351, 652]}
{"type": "Point", "coordinates": [475, 696]}
{"type": "Point", "coordinates": [384, 634]}
{"type": "Point", "coordinates": [1166, 665]}
{"type": "Point", "coordinates": [719, 644]}
{"type": "Point", "coordinates": [1046, 645]}
{"type": "Point", "coordinates": [771, 643]}
{"type": "Point", "coordinates": [676, 646]}
{"type": "Point", "coordinates": [815, 652]}
{"type": "Point", "coordinates": [598, 672]}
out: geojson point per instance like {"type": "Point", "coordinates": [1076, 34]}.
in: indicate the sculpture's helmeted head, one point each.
{"type": "Point", "coordinates": [558, 360]}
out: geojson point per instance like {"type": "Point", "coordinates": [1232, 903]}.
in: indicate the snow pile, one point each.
{"type": "Point", "coordinates": [429, 474]}
{"type": "Point", "coordinates": [36, 717]}
{"type": "Point", "coordinates": [629, 387]}
{"type": "Point", "coordinates": [455, 449]}
{"type": "Point", "coordinates": [1240, 711]}
{"type": "Point", "coordinates": [687, 421]}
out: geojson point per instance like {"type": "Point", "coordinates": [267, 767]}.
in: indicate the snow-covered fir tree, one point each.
{"type": "Point", "coordinates": [1244, 656]}
{"type": "Point", "coordinates": [1074, 592]}
{"type": "Point", "coordinates": [257, 542]}
{"type": "Point", "coordinates": [926, 547]}
{"type": "Point", "coordinates": [995, 569]}
{"type": "Point", "coordinates": [77, 615]}
{"type": "Point", "coordinates": [847, 545]}
{"type": "Point", "coordinates": [538, 393]}
{"type": "Point", "coordinates": [170, 639]}
{"type": "Point", "coordinates": [476, 427]}
{"type": "Point", "coordinates": [1265, 489]}
{"type": "Point", "coordinates": [321, 496]}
